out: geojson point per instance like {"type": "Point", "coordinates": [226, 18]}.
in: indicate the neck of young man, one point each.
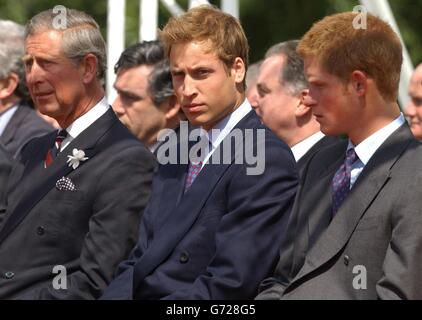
{"type": "Point", "coordinates": [374, 122]}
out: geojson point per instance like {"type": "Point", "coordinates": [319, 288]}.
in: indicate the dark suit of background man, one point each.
{"type": "Point", "coordinates": [19, 123]}
{"type": "Point", "coordinates": [146, 103]}
{"type": "Point", "coordinates": [5, 168]}
{"type": "Point", "coordinates": [216, 237]}
{"type": "Point", "coordinates": [282, 88]}
{"type": "Point", "coordinates": [356, 225]}
{"type": "Point", "coordinates": [82, 214]}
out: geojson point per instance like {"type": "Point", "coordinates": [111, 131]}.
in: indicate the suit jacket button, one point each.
{"type": "Point", "coordinates": [40, 230]}
{"type": "Point", "coordinates": [184, 257]}
{"type": "Point", "coordinates": [346, 260]}
{"type": "Point", "coordinates": [9, 275]}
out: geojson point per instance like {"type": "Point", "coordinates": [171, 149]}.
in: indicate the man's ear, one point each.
{"type": "Point", "coordinates": [90, 67]}
{"type": "Point", "coordinates": [172, 107]}
{"type": "Point", "coordinates": [302, 109]}
{"type": "Point", "coordinates": [238, 70]}
{"type": "Point", "coordinates": [8, 85]}
{"type": "Point", "coordinates": [359, 82]}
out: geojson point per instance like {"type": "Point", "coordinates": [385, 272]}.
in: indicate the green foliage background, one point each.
{"type": "Point", "coordinates": [265, 21]}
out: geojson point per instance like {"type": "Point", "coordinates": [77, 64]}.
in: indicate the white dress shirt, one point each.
{"type": "Point", "coordinates": [300, 149]}
{"type": "Point", "coordinates": [5, 118]}
{"type": "Point", "coordinates": [84, 121]}
{"type": "Point", "coordinates": [366, 149]}
{"type": "Point", "coordinates": [217, 134]}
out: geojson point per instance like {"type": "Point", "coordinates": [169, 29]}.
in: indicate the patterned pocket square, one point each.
{"type": "Point", "coordinates": [65, 184]}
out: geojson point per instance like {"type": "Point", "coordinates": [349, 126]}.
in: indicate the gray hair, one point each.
{"type": "Point", "coordinates": [11, 31]}
{"type": "Point", "coordinates": [11, 53]}
{"type": "Point", "coordinates": [81, 35]}
{"type": "Point", "coordinates": [292, 76]}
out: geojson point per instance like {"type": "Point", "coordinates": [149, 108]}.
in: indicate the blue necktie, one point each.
{"type": "Point", "coordinates": [341, 180]}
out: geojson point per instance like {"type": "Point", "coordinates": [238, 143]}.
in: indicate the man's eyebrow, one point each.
{"type": "Point", "coordinates": [26, 58]}
{"type": "Point", "coordinates": [261, 86]}
{"type": "Point", "coordinates": [128, 93]}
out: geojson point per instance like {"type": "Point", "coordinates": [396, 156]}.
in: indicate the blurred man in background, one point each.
{"type": "Point", "coordinates": [282, 89]}
{"type": "Point", "coordinates": [146, 103]}
{"type": "Point", "coordinates": [414, 108]}
{"type": "Point", "coordinates": [19, 123]}
{"type": "Point", "coordinates": [251, 80]}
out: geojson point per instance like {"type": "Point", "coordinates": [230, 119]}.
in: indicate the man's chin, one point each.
{"type": "Point", "coordinates": [417, 131]}
{"type": "Point", "coordinates": [330, 131]}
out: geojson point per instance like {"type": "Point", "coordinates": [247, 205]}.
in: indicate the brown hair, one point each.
{"type": "Point", "coordinates": [207, 23]}
{"type": "Point", "coordinates": [341, 48]}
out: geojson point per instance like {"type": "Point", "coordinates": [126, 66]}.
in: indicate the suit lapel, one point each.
{"type": "Point", "coordinates": [319, 218]}
{"type": "Point", "coordinates": [187, 210]}
{"type": "Point", "coordinates": [371, 181]}
{"type": "Point", "coordinates": [39, 181]}
{"type": "Point", "coordinates": [14, 123]}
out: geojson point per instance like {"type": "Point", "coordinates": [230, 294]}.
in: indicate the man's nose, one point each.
{"type": "Point", "coordinates": [410, 110]}
{"type": "Point", "coordinates": [309, 101]}
{"type": "Point", "coordinates": [118, 107]}
{"type": "Point", "coordinates": [189, 88]}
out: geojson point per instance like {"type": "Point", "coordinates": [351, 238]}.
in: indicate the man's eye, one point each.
{"type": "Point", "coordinates": [418, 102]}
{"type": "Point", "coordinates": [46, 63]}
{"type": "Point", "coordinates": [28, 64]}
{"type": "Point", "coordinates": [262, 91]}
{"type": "Point", "coordinates": [201, 73]}
{"type": "Point", "coordinates": [176, 74]}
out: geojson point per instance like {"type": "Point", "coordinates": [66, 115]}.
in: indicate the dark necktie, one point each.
{"type": "Point", "coordinates": [341, 180]}
{"type": "Point", "coordinates": [55, 149]}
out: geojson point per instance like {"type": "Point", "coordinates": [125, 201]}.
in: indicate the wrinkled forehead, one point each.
{"type": "Point", "coordinates": [48, 40]}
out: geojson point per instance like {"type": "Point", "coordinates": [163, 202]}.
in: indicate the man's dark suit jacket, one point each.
{"type": "Point", "coordinates": [5, 168]}
{"type": "Point", "coordinates": [220, 238]}
{"type": "Point", "coordinates": [372, 247]}
{"type": "Point", "coordinates": [324, 142]}
{"type": "Point", "coordinates": [89, 230]}
{"type": "Point", "coordinates": [25, 125]}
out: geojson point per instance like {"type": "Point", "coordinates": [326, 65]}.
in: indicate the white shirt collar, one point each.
{"type": "Point", "coordinates": [366, 149]}
{"type": "Point", "coordinates": [224, 126]}
{"type": "Point", "coordinates": [300, 149]}
{"type": "Point", "coordinates": [5, 118]}
{"type": "Point", "coordinates": [217, 134]}
{"type": "Point", "coordinates": [84, 121]}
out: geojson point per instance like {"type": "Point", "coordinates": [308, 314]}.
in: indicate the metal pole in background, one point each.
{"type": "Point", "coordinates": [148, 17]}
{"type": "Point", "coordinates": [231, 7]}
{"type": "Point", "coordinates": [172, 7]}
{"type": "Point", "coordinates": [115, 41]}
{"type": "Point", "coordinates": [195, 3]}
{"type": "Point", "coordinates": [382, 9]}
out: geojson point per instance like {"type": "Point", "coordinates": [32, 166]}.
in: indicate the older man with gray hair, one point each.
{"type": "Point", "coordinates": [282, 89]}
{"type": "Point", "coordinates": [73, 214]}
{"type": "Point", "coordinates": [19, 123]}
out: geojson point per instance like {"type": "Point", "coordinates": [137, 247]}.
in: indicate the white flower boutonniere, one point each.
{"type": "Point", "coordinates": [78, 156]}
